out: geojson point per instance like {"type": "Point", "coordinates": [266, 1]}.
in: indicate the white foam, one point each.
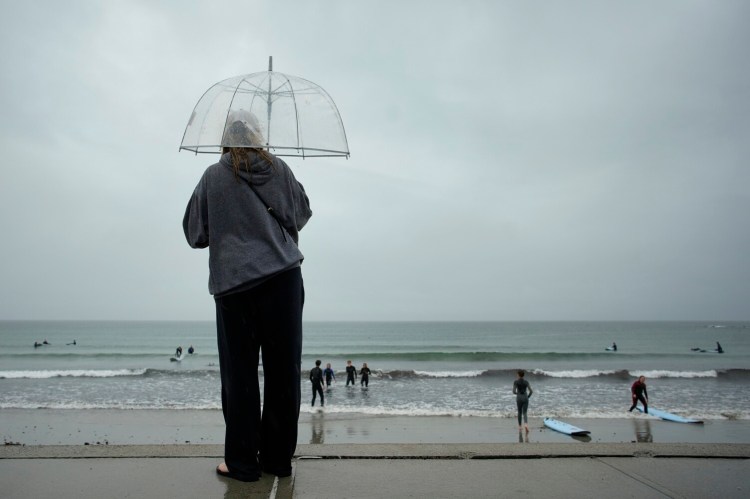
{"type": "Point", "coordinates": [574, 373]}
{"type": "Point", "coordinates": [73, 373]}
{"type": "Point", "coordinates": [676, 374]}
{"type": "Point", "coordinates": [449, 374]}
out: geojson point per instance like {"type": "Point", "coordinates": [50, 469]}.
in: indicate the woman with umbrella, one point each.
{"type": "Point", "coordinates": [248, 210]}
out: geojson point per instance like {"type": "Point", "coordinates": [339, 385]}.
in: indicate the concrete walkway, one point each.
{"type": "Point", "coordinates": [387, 471]}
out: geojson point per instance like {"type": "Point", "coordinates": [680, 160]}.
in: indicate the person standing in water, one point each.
{"type": "Point", "coordinates": [638, 392]}
{"type": "Point", "coordinates": [522, 390]}
{"type": "Point", "coordinates": [351, 373]}
{"type": "Point", "coordinates": [365, 373]}
{"type": "Point", "coordinates": [329, 374]}
{"type": "Point", "coordinates": [316, 378]}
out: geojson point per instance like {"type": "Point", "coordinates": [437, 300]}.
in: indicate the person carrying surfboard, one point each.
{"type": "Point", "coordinates": [522, 390]}
{"type": "Point", "coordinates": [638, 392]}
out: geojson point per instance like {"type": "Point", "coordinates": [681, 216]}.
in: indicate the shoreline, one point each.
{"type": "Point", "coordinates": [33, 427]}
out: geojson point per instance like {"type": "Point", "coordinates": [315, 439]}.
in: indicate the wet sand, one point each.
{"type": "Point", "coordinates": [143, 427]}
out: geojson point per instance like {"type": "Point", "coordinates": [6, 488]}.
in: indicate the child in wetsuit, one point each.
{"type": "Point", "coordinates": [365, 373]}
{"type": "Point", "coordinates": [351, 373]}
{"type": "Point", "coordinates": [329, 374]}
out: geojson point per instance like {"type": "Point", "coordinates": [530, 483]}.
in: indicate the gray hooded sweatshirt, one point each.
{"type": "Point", "coordinates": [246, 243]}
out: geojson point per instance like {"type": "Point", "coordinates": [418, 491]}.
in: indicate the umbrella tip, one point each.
{"type": "Point", "coordinates": [270, 63]}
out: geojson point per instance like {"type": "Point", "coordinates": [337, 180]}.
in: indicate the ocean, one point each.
{"type": "Point", "coordinates": [419, 368]}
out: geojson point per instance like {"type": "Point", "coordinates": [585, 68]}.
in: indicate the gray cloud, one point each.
{"type": "Point", "coordinates": [577, 160]}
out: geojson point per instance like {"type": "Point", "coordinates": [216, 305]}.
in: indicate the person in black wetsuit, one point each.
{"type": "Point", "coordinates": [329, 374]}
{"type": "Point", "coordinates": [520, 389]}
{"type": "Point", "coordinates": [178, 352]}
{"type": "Point", "coordinates": [316, 378]}
{"type": "Point", "coordinates": [365, 373]}
{"type": "Point", "coordinates": [638, 392]}
{"type": "Point", "coordinates": [191, 350]}
{"type": "Point", "coordinates": [351, 373]}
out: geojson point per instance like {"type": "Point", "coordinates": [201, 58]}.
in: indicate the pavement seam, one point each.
{"type": "Point", "coordinates": [641, 479]}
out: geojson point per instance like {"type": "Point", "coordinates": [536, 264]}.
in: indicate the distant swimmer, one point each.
{"type": "Point", "coordinates": [45, 342]}
{"type": "Point", "coordinates": [718, 348]}
{"type": "Point", "coordinates": [37, 344]}
{"type": "Point", "coordinates": [638, 392]}
{"type": "Point", "coordinates": [72, 343]}
{"type": "Point", "coordinates": [191, 350]}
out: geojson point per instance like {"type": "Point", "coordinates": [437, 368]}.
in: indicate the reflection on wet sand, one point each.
{"type": "Point", "coordinates": [643, 430]}
{"type": "Point", "coordinates": [523, 437]}
{"type": "Point", "coordinates": [318, 429]}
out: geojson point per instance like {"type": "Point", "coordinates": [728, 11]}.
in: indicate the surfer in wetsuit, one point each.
{"type": "Point", "coordinates": [614, 346]}
{"type": "Point", "coordinates": [351, 373]}
{"type": "Point", "coordinates": [718, 348]}
{"type": "Point", "coordinates": [520, 387]}
{"type": "Point", "coordinates": [191, 350]}
{"type": "Point", "coordinates": [178, 352]}
{"type": "Point", "coordinates": [329, 374]}
{"type": "Point", "coordinates": [638, 392]}
{"type": "Point", "coordinates": [316, 378]}
{"type": "Point", "coordinates": [365, 373]}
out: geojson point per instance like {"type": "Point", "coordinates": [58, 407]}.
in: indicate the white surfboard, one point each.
{"type": "Point", "coordinates": [176, 359]}
{"type": "Point", "coordinates": [563, 427]}
{"type": "Point", "coordinates": [668, 416]}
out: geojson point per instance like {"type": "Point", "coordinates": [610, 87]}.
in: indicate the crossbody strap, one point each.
{"type": "Point", "coordinates": [269, 209]}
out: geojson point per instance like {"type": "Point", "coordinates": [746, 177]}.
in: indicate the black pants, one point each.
{"type": "Point", "coordinates": [636, 398]}
{"type": "Point", "coordinates": [522, 402]}
{"type": "Point", "coordinates": [317, 388]}
{"type": "Point", "coordinates": [266, 319]}
{"type": "Point", "coordinates": [365, 381]}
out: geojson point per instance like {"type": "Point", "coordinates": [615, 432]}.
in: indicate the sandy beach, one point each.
{"type": "Point", "coordinates": [164, 453]}
{"type": "Point", "coordinates": [167, 427]}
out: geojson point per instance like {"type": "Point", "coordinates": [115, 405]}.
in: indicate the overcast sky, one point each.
{"type": "Point", "coordinates": [509, 160]}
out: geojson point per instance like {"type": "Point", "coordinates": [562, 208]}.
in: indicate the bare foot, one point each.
{"type": "Point", "coordinates": [222, 468]}
{"type": "Point", "coordinates": [527, 429]}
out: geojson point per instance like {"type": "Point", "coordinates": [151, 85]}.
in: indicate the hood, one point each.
{"type": "Point", "coordinates": [260, 172]}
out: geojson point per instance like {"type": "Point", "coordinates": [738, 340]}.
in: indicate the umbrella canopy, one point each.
{"type": "Point", "coordinates": [289, 115]}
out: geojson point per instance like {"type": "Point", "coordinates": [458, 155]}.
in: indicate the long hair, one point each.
{"type": "Point", "coordinates": [242, 138]}
{"type": "Point", "coordinates": [242, 158]}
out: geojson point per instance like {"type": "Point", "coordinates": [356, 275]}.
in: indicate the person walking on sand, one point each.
{"type": "Point", "coordinates": [248, 209]}
{"type": "Point", "coordinates": [638, 392]}
{"type": "Point", "coordinates": [522, 390]}
{"type": "Point", "coordinates": [365, 374]}
{"type": "Point", "coordinates": [351, 373]}
{"type": "Point", "coordinates": [330, 375]}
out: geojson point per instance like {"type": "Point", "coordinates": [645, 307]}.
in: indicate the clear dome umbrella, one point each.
{"type": "Point", "coordinates": [286, 114]}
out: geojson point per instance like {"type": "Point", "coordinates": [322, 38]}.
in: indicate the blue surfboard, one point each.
{"type": "Point", "coordinates": [563, 427]}
{"type": "Point", "coordinates": [668, 416]}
